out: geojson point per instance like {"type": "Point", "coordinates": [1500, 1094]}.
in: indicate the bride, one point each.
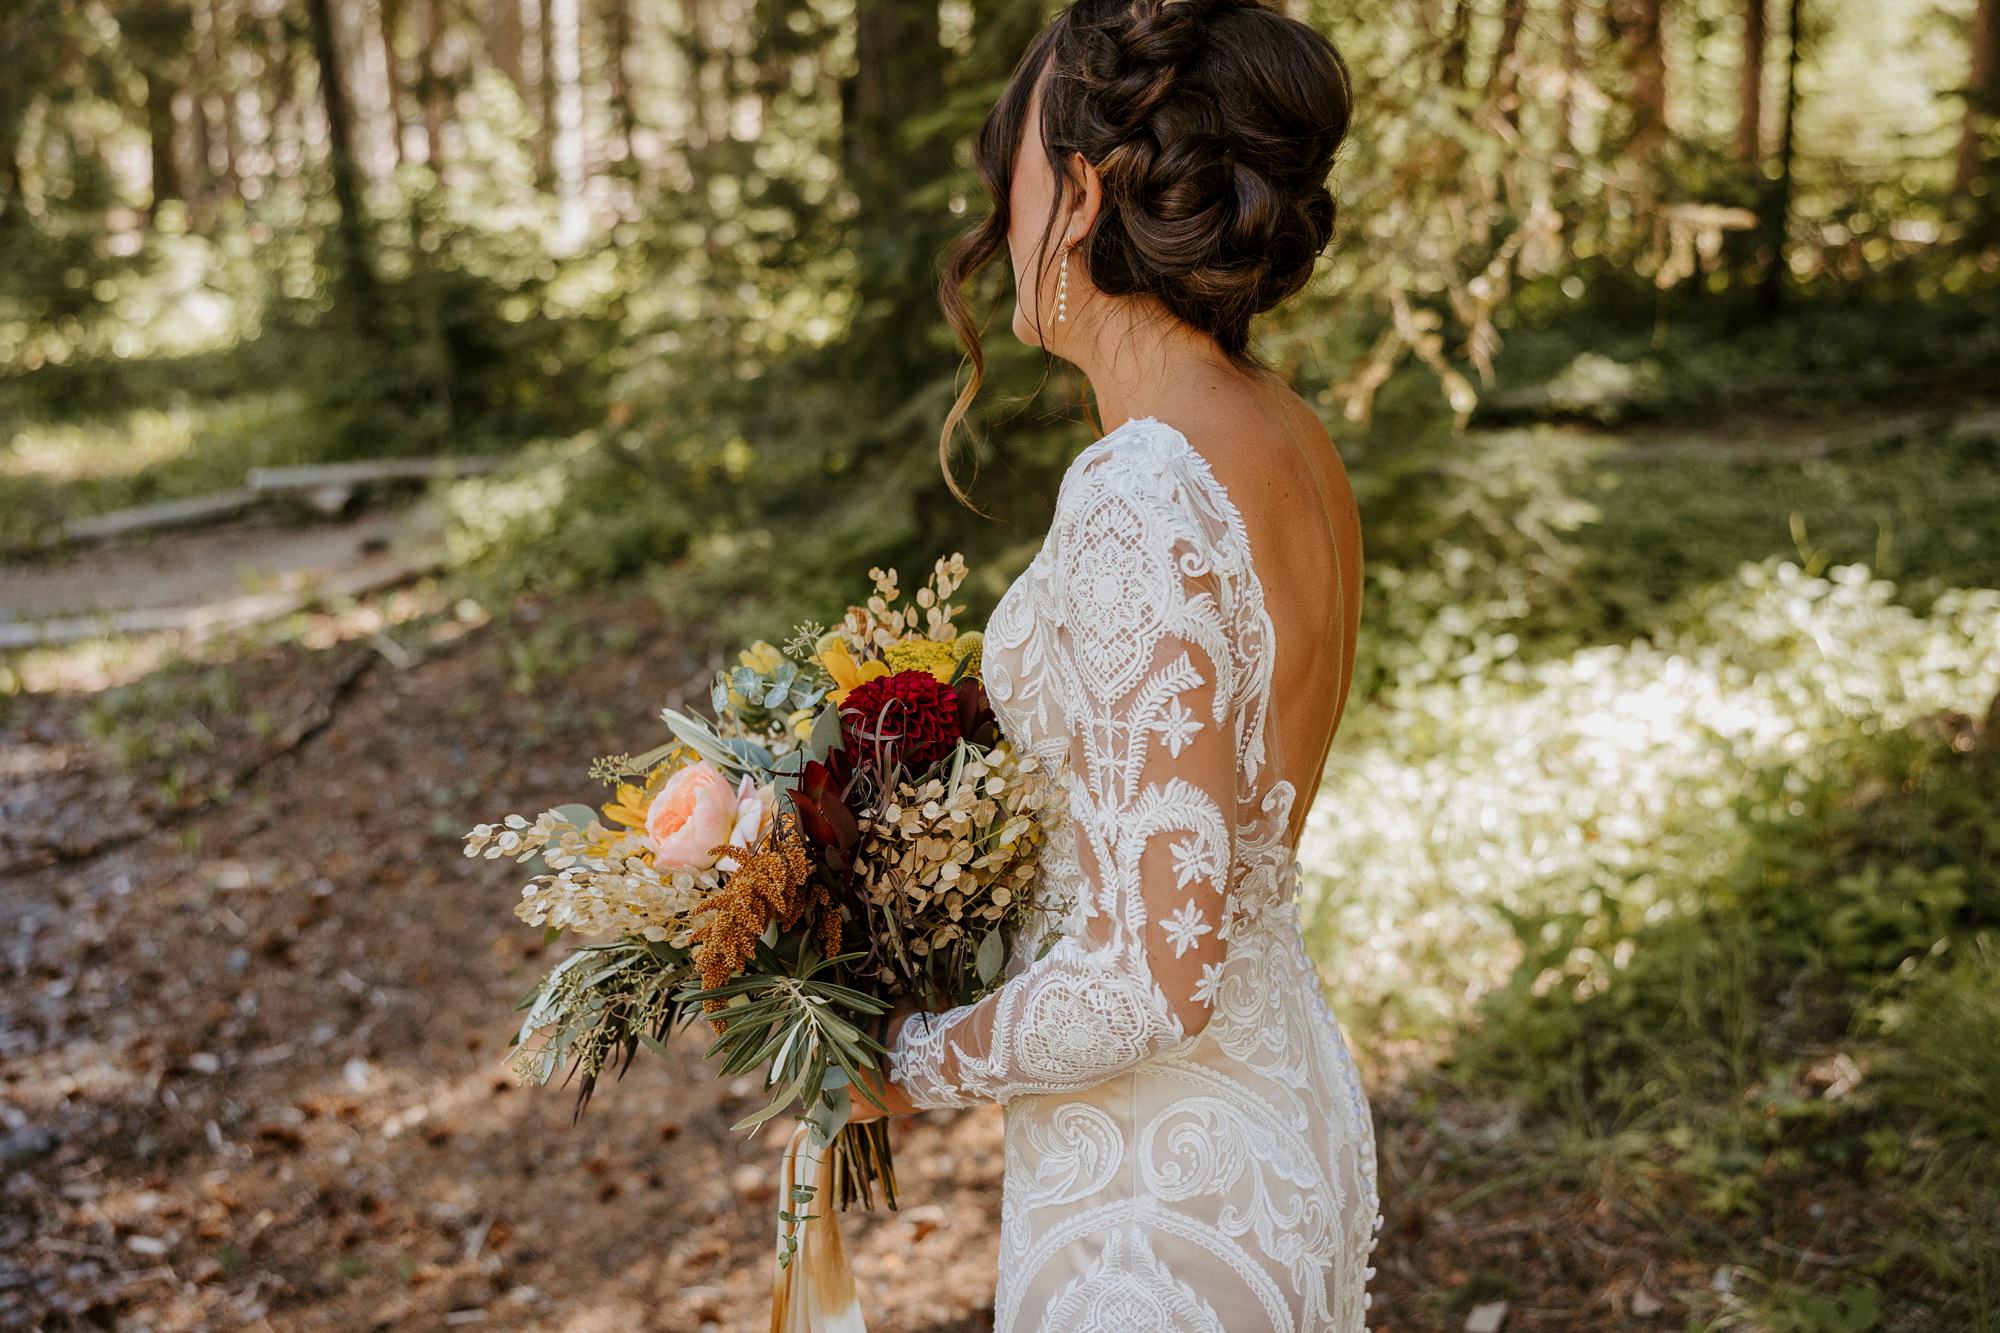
{"type": "Point", "coordinates": [1187, 1144]}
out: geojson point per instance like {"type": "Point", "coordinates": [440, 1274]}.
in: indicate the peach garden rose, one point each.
{"type": "Point", "coordinates": [694, 811]}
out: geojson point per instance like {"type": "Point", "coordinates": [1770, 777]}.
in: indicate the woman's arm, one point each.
{"type": "Point", "coordinates": [1144, 673]}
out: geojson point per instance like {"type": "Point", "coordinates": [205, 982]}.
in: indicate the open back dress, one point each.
{"type": "Point", "coordinates": [1188, 1149]}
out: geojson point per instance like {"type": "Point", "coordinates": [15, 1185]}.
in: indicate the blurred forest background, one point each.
{"type": "Point", "coordinates": [401, 400]}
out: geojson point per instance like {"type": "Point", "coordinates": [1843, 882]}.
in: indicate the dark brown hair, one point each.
{"type": "Point", "coordinates": [1212, 124]}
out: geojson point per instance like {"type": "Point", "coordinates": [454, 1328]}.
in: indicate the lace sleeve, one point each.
{"type": "Point", "coordinates": [1141, 661]}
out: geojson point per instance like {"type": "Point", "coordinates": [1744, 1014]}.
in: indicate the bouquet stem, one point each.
{"type": "Point", "coordinates": [861, 1158]}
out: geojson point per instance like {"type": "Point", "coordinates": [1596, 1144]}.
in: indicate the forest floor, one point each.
{"type": "Point", "coordinates": [257, 1006]}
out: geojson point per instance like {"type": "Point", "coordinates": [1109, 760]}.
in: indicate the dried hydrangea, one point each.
{"type": "Point", "coordinates": [951, 861]}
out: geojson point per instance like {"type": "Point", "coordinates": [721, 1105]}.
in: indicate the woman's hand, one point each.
{"type": "Point", "coordinates": [861, 1109]}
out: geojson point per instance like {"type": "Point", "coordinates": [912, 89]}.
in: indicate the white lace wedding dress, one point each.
{"type": "Point", "coordinates": [1187, 1145]}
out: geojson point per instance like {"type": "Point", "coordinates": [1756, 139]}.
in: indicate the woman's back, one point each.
{"type": "Point", "coordinates": [1187, 1142]}
{"type": "Point", "coordinates": [1271, 454]}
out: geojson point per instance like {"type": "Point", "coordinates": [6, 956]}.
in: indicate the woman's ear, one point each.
{"type": "Point", "coordinates": [1089, 196]}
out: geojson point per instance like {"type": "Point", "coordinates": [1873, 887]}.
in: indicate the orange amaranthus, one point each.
{"type": "Point", "coordinates": [766, 887]}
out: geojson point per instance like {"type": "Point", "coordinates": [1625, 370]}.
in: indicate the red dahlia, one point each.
{"type": "Point", "coordinates": [908, 717]}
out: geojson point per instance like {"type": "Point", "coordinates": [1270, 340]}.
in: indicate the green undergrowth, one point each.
{"type": "Point", "coordinates": [1670, 828]}
{"type": "Point", "coordinates": [1663, 840]}
{"type": "Point", "coordinates": [1805, 1045]}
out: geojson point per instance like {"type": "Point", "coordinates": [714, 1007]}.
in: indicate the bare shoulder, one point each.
{"type": "Point", "coordinates": [1274, 456]}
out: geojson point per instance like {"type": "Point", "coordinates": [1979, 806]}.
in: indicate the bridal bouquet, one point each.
{"type": "Point", "coordinates": [848, 829]}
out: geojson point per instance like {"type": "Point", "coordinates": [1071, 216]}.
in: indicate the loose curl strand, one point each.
{"type": "Point", "coordinates": [1213, 126]}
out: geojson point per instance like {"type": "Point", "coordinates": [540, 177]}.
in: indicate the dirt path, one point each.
{"type": "Point", "coordinates": [254, 1067]}
{"type": "Point", "coordinates": [193, 568]}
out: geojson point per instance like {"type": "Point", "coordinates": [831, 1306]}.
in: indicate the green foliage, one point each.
{"type": "Point", "coordinates": [1943, 1028]}
{"type": "Point", "coordinates": [806, 1028]}
{"type": "Point", "coordinates": [1828, 993]}
{"type": "Point", "coordinates": [593, 1011]}
{"type": "Point", "coordinates": [1608, 781]}
{"type": "Point", "coordinates": [1848, 882]}
{"type": "Point", "coordinates": [1613, 357]}
{"type": "Point", "coordinates": [1914, 504]}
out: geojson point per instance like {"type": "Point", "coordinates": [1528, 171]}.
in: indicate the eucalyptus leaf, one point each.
{"type": "Point", "coordinates": [992, 953]}
{"type": "Point", "coordinates": [701, 738]}
{"type": "Point", "coordinates": [752, 1121]}
{"type": "Point", "coordinates": [582, 816]}
{"type": "Point", "coordinates": [825, 733]}
{"type": "Point", "coordinates": [830, 1116]}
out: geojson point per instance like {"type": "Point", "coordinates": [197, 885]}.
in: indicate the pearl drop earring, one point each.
{"type": "Point", "coordinates": [1062, 290]}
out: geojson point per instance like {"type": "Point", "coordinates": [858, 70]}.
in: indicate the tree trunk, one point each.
{"type": "Point", "coordinates": [389, 14]}
{"type": "Point", "coordinates": [284, 127]}
{"type": "Point", "coordinates": [433, 89]}
{"type": "Point", "coordinates": [160, 137]}
{"type": "Point", "coordinates": [1456, 42]}
{"type": "Point", "coordinates": [1750, 112]}
{"type": "Point", "coordinates": [624, 115]}
{"type": "Point", "coordinates": [1646, 58]}
{"type": "Point", "coordinates": [1778, 211]}
{"type": "Point", "coordinates": [545, 85]}
{"type": "Point", "coordinates": [350, 225]}
{"type": "Point", "coordinates": [563, 84]}
{"type": "Point", "coordinates": [899, 76]}
{"type": "Point", "coordinates": [200, 180]}
{"type": "Point", "coordinates": [221, 86]}
{"type": "Point", "coordinates": [1503, 85]}
{"type": "Point", "coordinates": [1572, 69]}
{"type": "Point", "coordinates": [1982, 94]}
{"type": "Point", "coordinates": [503, 39]}
{"type": "Point", "coordinates": [1001, 31]}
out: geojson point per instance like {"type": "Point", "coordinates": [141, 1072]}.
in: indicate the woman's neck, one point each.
{"type": "Point", "coordinates": [1151, 365]}
{"type": "Point", "coordinates": [1143, 364]}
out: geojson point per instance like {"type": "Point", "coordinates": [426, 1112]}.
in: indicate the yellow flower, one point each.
{"type": "Point", "coordinates": [762, 657]}
{"type": "Point", "coordinates": [629, 806]}
{"type": "Point", "coordinates": [923, 655]}
{"type": "Point", "coordinates": [840, 664]}
{"type": "Point", "coordinates": [801, 723]}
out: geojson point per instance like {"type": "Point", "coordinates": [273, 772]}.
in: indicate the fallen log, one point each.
{"type": "Point", "coordinates": [329, 487]}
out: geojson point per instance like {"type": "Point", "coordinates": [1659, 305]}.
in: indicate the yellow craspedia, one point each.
{"type": "Point", "coordinates": [971, 647]}
{"type": "Point", "coordinates": [922, 655]}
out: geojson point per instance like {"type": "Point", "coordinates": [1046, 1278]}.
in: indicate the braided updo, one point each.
{"type": "Point", "coordinates": [1213, 126]}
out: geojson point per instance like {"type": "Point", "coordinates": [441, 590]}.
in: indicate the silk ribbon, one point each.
{"type": "Point", "coordinates": [815, 1292]}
